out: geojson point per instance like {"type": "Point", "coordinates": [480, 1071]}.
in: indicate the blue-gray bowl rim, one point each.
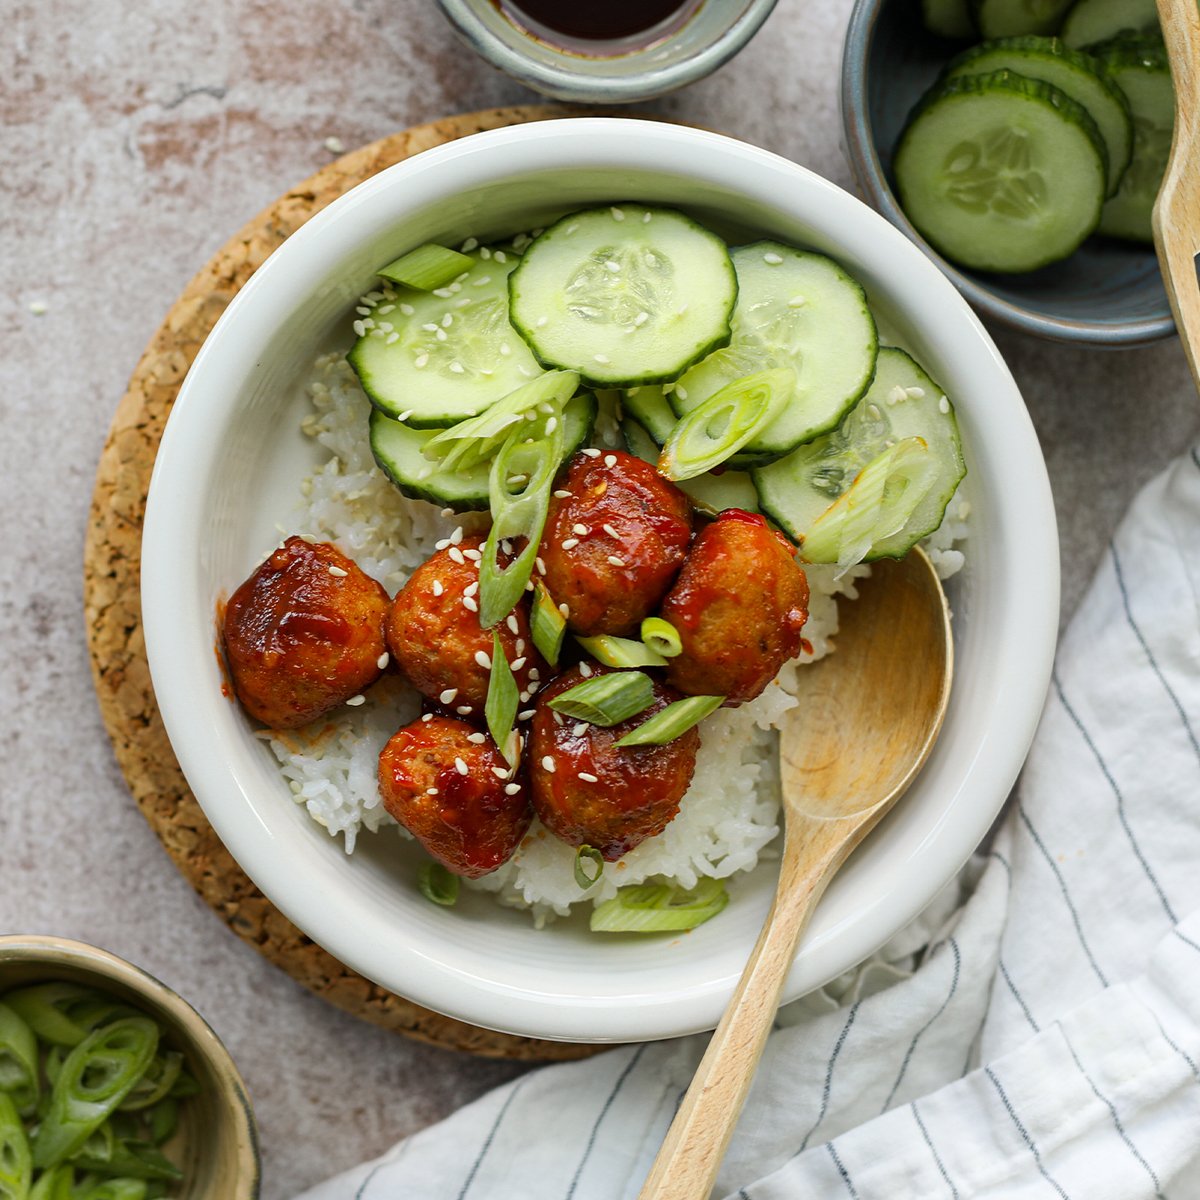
{"type": "Point", "coordinates": [868, 171]}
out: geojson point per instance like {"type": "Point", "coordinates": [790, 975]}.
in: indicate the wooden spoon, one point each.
{"type": "Point", "coordinates": [1177, 210]}
{"type": "Point", "coordinates": [867, 719]}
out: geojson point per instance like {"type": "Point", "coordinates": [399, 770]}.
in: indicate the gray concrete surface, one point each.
{"type": "Point", "coordinates": [136, 139]}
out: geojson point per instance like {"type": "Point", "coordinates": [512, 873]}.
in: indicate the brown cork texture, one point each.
{"type": "Point", "coordinates": [113, 611]}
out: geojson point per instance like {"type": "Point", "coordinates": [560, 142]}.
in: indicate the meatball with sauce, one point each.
{"type": "Point", "coordinates": [587, 791]}
{"type": "Point", "coordinates": [451, 788]}
{"type": "Point", "coordinates": [434, 635]}
{"type": "Point", "coordinates": [739, 605]}
{"type": "Point", "coordinates": [615, 537]}
{"type": "Point", "coordinates": [304, 634]}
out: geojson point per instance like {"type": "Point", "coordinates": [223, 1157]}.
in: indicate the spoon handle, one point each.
{"type": "Point", "coordinates": [1177, 212]}
{"type": "Point", "coordinates": [691, 1153]}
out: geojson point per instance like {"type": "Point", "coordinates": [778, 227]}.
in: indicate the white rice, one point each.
{"type": "Point", "coordinates": [729, 814]}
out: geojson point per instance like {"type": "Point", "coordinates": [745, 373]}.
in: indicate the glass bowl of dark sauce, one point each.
{"type": "Point", "coordinates": [606, 51]}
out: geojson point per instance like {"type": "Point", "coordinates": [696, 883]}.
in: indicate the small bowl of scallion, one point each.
{"type": "Point", "coordinates": [111, 1085]}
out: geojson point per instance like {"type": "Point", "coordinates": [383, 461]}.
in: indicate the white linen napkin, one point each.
{"type": "Point", "coordinates": [1046, 1043]}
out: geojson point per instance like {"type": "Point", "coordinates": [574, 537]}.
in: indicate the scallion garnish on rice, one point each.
{"type": "Point", "coordinates": [659, 908]}
{"type": "Point", "coordinates": [668, 724]}
{"type": "Point", "coordinates": [606, 699]}
{"type": "Point", "coordinates": [500, 708]}
{"type": "Point", "coordinates": [438, 884]}
{"type": "Point", "coordinates": [589, 865]}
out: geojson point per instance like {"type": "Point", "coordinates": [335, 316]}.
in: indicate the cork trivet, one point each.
{"type": "Point", "coordinates": [114, 622]}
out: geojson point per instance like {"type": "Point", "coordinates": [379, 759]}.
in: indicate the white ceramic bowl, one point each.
{"type": "Point", "coordinates": [228, 471]}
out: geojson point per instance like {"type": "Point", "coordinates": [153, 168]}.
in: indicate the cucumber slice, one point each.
{"type": "Point", "coordinates": [649, 408]}
{"type": "Point", "coordinates": [1079, 75]}
{"type": "Point", "coordinates": [798, 489]}
{"type": "Point", "coordinates": [712, 493]}
{"type": "Point", "coordinates": [1139, 66]}
{"type": "Point", "coordinates": [1014, 18]}
{"type": "Point", "coordinates": [398, 450]}
{"type": "Point", "coordinates": [437, 357]}
{"type": "Point", "coordinates": [1093, 21]}
{"type": "Point", "coordinates": [624, 295]}
{"type": "Point", "coordinates": [948, 18]}
{"type": "Point", "coordinates": [1001, 173]}
{"type": "Point", "coordinates": [800, 310]}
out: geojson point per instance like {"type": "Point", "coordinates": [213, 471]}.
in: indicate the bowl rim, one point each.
{"type": "Point", "coordinates": [872, 180]}
{"type": "Point", "coordinates": [563, 83]}
{"type": "Point", "coordinates": [52, 951]}
{"type": "Point", "coordinates": [229, 354]}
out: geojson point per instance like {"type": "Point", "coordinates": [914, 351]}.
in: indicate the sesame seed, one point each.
{"type": "Point", "coordinates": [355, 701]}
{"type": "Point", "coordinates": [772, 259]}
{"type": "Point", "coordinates": [646, 218]}
{"type": "Point", "coordinates": [456, 367]}
{"type": "Point", "coordinates": [441, 544]}
{"type": "Point", "coordinates": [427, 717]}
{"type": "Point", "coordinates": [542, 322]}
{"type": "Point", "coordinates": [437, 587]}
{"type": "Point", "coordinates": [562, 494]}
{"type": "Point", "coordinates": [471, 588]}
{"type": "Point", "coordinates": [447, 320]}
{"type": "Point", "coordinates": [897, 395]}
{"type": "Point", "coordinates": [874, 412]}
{"type": "Point", "coordinates": [526, 714]}
{"type": "Point", "coordinates": [641, 318]}
{"type": "Point", "coordinates": [463, 303]}
{"type": "Point", "coordinates": [517, 663]}
{"type": "Point", "coordinates": [572, 227]}
{"type": "Point", "coordinates": [610, 460]}
{"type": "Point", "coordinates": [511, 789]}
{"type": "Point", "coordinates": [915, 393]}
{"type": "Point", "coordinates": [457, 536]}
{"type": "Point", "coordinates": [944, 405]}
{"type": "Point", "coordinates": [612, 266]}
{"type": "Point", "coordinates": [585, 670]}
{"type": "Point", "coordinates": [511, 622]}
{"type": "Point", "coordinates": [617, 214]}
{"type": "Point", "coordinates": [548, 764]}
{"type": "Point", "coordinates": [407, 309]}
{"type": "Point", "coordinates": [579, 729]}
{"type": "Point", "coordinates": [558, 717]}
{"type": "Point", "coordinates": [464, 710]}
{"type": "Point", "coordinates": [535, 674]}
{"type": "Point", "coordinates": [500, 772]}
{"type": "Point", "coordinates": [533, 685]}
{"type": "Point", "coordinates": [469, 245]}
{"type": "Point", "coordinates": [551, 424]}
{"type": "Point", "coordinates": [540, 564]}
{"type": "Point", "coordinates": [582, 530]}
{"type": "Point", "coordinates": [609, 530]}
{"type": "Point", "coordinates": [443, 293]}
{"type": "Point", "coordinates": [430, 791]}
{"type": "Point", "coordinates": [338, 572]}
{"type": "Point", "coordinates": [363, 310]}
{"type": "Point", "coordinates": [446, 512]}
{"type": "Point", "coordinates": [520, 640]}
{"type": "Point", "coordinates": [385, 326]}
{"type": "Point", "coordinates": [616, 562]}
{"type": "Point", "coordinates": [456, 555]}
{"type": "Point", "coordinates": [460, 766]}
{"type": "Point", "coordinates": [447, 697]}
{"type": "Point", "coordinates": [484, 660]}
{"type": "Point", "coordinates": [469, 604]}
{"type": "Point", "coordinates": [591, 452]}
{"type": "Point", "coordinates": [421, 361]}
{"type": "Point", "coordinates": [473, 555]}
{"type": "Point", "coordinates": [405, 415]}
{"type": "Point", "coordinates": [505, 349]}
{"type": "Point", "coordinates": [570, 543]}
{"type": "Point", "coordinates": [430, 327]}
{"type": "Point", "coordinates": [485, 253]}
{"type": "Point", "coordinates": [500, 256]}
{"type": "Point", "coordinates": [441, 335]}
{"type": "Point", "coordinates": [524, 697]}
{"type": "Point", "coordinates": [360, 328]}
{"type": "Point", "coordinates": [681, 391]}
{"type": "Point", "coordinates": [603, 359]}
{"type": "Point", "coordinates": [565, 609]}
{"type": "Point", "coordinates": [588, 777]}
{"type": "Point", "coordinates": [477, 738]}
{"type": "Point", "coordinates": [482, 281]}
{"type": "Point", "coordinates": [382, 660]}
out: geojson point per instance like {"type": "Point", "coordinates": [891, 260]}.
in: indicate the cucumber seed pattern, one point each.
{"type": "Point", "coordinates": [995, 173]}
{"type": "Point", "coordinates": [625, 285]}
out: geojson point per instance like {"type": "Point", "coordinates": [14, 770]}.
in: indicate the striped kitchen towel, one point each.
{"type": "Point", "coordinates": [1036, 1034]}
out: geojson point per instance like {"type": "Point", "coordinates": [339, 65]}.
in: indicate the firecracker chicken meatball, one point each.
{"type": "Point", "coordinates": [739, 605]}
{"type": "Point", "coordinates": [451, 788]}
{"type": "Point", "coordinates": [615, 537]}
{"type": "Point", "coordinates": [435, 638]}
{"type": "Point", "coordinates": [588, 792]}
{"type": "Point", "coordinates": [304, 634]}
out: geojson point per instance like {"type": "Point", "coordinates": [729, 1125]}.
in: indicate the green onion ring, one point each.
{"type": "Point", "coordinates": [438, 884]}
{"type": "Point", "coordinates": [659, 908]}
{"type": "Point", "coordinates": [662, 637]}
{"type": "Point", "coordinates": [588, 854]}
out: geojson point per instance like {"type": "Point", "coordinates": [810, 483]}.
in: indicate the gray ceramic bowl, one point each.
{"type": "Point", "coordinates": [1107, 294]}
{"type": "Point", "coordinates": [216, 1143]}
{"type": "Point", "coordinates": [710, 37]}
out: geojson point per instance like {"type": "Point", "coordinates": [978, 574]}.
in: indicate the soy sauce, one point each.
{"type": "Point", "coordinates": [598, 27]}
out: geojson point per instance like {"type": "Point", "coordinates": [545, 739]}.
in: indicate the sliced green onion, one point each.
{"type": "Point", "coordinates": [547, 625]}
{"type": "Point", "coordinates": [163, 1120]}
{"type": "Point", "coordinates": [57, 1184]}
{"type": "Point", "coordinates": [668, 724]}
{"type": "Point", "coordinates": [516, 515]}
{"type": "Point", "coordinates": [438, 884]}
{"type": "Point", "coordinates": [16, 1163]}
{"type": "Point", "coordinates": [133, 1159]}
{"type": "Point", "coordinates": [606, 699]}
{"type": "Point", "coordinates": [427, 267]}
{"type": "Point", "coordinates": [658, 908]}
{"type": "Point", "coordinates": [585, 876]}
{"type": "Point", "coordinates": [662, 637]}
{"type": "Point", "coordinates": [477, 439]}
{"type": "Point", "coordinates": [186, 1085]}
{"type": "Point", "coordinates": [19, 1075]}
{"type": "Point", "coordinates": [51, 1010]}
{"type": "Point", "coordinates": [117, 1189]}
{"type": "Point", "coordinates": [155, 1084]}
{"type": "Point", "coordinates": [500, 709]}
{"type": "Point", "coordinates": [621, 652]}
{"type": "Point", "coordinates": [721, 425]}
{"type": "Point", "coordinates": [875, 506]}
{"type": "Point", "coordinates": [96, 1076]}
